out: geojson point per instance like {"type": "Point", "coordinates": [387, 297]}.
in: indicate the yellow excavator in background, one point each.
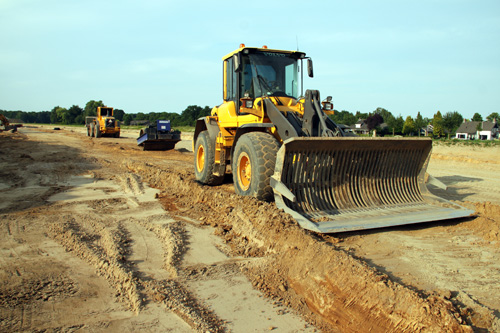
{"type": "Point", "coordinates": [5, 122]}
{"type": "Point", "coordinates": [281, 145]}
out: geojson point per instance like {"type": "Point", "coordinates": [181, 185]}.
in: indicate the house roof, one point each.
{"type": "Point", "coordinates": [470, 127]}
{"type": "Point", "coordinates": [488, 125]}
{"type": "Point", "coordinates": [360, 125]}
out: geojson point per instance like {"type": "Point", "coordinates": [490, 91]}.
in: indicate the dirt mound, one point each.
{"type": "Point", "coordinates": [487, 224]}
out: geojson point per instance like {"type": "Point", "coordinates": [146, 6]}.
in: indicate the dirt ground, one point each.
{"type": "Point", "coordinates": [99, 235]}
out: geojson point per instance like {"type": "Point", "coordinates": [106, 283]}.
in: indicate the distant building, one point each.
{"type": "Point", "coordinates": [427, 130]}
{"type": "Point", "coordinates": [344, 128]}
{"type": "Point", "coordinates": [478, 130]}
{"type": "Point", "coordinates": [360, 127]}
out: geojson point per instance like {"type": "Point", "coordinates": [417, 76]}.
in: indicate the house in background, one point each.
{"type": "Point", "coordinates": [360, 127]}
{"type": "Point", "coordinates": [427, 130]}
{"type": "Point", "coordinates": [345, 128]}
{"type": "Point", "coordinates": [478, 130]}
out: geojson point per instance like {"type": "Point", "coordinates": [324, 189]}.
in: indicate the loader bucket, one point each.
{"type": "Point", "coordinates": [350, 183]}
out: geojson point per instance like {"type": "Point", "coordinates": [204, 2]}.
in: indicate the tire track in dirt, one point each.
{"type": "Point", "coordinates": [74, 239]}
{"type": "Point", "coordinates": [108, 247]}
{"type": "Point", "coordinates": [37, 283]}
{"type": "Point", "coordinates": [172, 294]}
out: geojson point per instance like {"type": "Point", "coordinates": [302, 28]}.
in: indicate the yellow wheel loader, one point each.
{"type": "Point", "coordinates": [281, 145]}
{"type": "Point", "coordinates": [103, 124]}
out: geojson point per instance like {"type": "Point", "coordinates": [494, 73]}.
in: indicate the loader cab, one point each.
{"type": "Point", "coordinates": [250, 73]}
{"type": "Point", "coordinates": [105, 111]}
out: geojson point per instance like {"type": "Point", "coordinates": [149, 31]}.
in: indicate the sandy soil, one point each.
{"type": "Point", "coordinates": [99, 235]}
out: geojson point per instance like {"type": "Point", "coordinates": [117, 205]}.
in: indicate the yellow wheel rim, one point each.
{"type": "Point", "coordinates": [244, 171]}
{"type": "Point", "coordinates": [200, 158]}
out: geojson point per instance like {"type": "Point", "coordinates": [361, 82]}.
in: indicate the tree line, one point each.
{"type": "Point", "coordinates": [384, 122]}
{"type": "Point", "coordinates": [381, 120]}
{"type": "Point", "coordinates": [76, 115]}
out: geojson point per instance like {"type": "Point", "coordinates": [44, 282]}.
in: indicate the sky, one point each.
{"type": "Point", "coordinates": [162, 55]}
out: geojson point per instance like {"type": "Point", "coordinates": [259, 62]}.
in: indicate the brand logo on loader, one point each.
{"type": "Point", "coordinates": [270, 54]}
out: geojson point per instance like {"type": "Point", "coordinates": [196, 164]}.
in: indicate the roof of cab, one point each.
{"type": "Point", "coordinates": [260, 49]}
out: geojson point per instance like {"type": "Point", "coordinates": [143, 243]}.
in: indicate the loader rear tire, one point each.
{"type": "Point", "coordinates": [254, 160]}
{"type": "Point", "coordinates": [204, 158]}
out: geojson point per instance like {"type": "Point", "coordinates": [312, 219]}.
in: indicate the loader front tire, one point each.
{"type": "Point", "coordinates": [204, 158]}
{"type": "Point", "coordinates": [254, 160]}
{"type": "Point", "coordinates": [92, 130]}
{"type": "Point", "coordinates": [98, 133]}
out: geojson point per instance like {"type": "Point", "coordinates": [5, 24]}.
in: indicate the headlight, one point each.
{"type": "Point", "coordinates": [327, 104]}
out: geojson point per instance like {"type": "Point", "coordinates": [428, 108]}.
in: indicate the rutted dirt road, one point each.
{"type": "Point", "coordinates": [100, 235]}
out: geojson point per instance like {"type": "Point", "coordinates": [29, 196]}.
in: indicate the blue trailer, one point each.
{"type": "Point", "coordinates": [158, 136]}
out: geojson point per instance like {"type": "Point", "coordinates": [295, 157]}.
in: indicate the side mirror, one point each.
{"type": "Point", "coordinates": [237, 62]}
{"type": "Point", "coordinates": [310, 67]}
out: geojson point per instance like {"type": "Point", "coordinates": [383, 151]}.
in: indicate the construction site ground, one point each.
{"type": "Point", "coordinates": [99, 235]}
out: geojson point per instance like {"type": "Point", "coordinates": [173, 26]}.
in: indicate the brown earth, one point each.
{"type": "Point", "coordinates": [100, 235]}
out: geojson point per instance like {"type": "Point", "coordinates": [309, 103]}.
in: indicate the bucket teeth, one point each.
{"type": "Point", "coordinates": [342, 184]}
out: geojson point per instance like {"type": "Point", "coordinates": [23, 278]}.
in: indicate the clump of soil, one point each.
{"type": "Point", "coordinates": [487, 224]}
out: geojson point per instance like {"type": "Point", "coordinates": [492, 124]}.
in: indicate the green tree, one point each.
{"type": "Point", "coordinates": [477, 117]}
{"type": "Point", "coordinates": [192, 113]}
{"type": "Point", "coordinates": [28, 117]}
{"type": "Point", "coordinates": [361, 115]}
{"type": "Point", "coordinates": [32, 117]}
{"type": "Point", "coordinates": [56, 115]}
{"type": "Point", "coordinates": [493, 116]}
{"type": "Point", "coordinates": [127, 118]}
{"type": "Point", "coordinates": [437, 123]}
{"type": "Point", "coordinates": [91, 108]}
{"type": "Point", "coordinates": [385, 114]}
{"type": "Point", "coordinates": [42, 117]}
{"type": "Point", "coordinates": [409, 126]}
{"type": "Point", "coordinates": [452, 121]}
{"type": "Point", "coordinates": [388, 118]}
{"type": "Point", "coordinates": [118, 114]}
{"type": "Point", "coordinates": [420, 123]}
{"type": "Point", "coordinates": [74, 115]}
{"type": "Point", "coordinates": [344, 117]}
{"type": "Point", "coordinates": [62, 115]}
{"type": "Point", "coordinates": [396, 125]}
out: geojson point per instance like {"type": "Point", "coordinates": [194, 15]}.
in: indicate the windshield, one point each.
{"type": "Point", "coordinates": [269, 74]}
{"type": "Point", "coordinates": [106, 112]}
